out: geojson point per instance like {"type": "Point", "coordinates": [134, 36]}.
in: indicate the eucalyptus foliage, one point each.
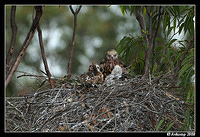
{"type": "Point", "coordinates": [173, 53]}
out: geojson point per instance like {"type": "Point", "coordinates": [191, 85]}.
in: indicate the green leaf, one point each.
{"type": "Point", "coordinates": [123, 10]}
{"type": "Point", "coordinates": [174, 25]}
{"type": "Point", "coordinates": [188, 76]}
{"type": "Point", "coordinates": [172, 41]}
{"type": "Point", "coordinates": [170, 125]}
{"type": "Point", "coordinates": [187, 22]}
{"type": "Point", "coordinates": [165, 22]}
{"type": "Point", "coordinates": [174, 52]}
{"type": "Point", "coordinates": [42, 84]}
{"type": "Point", "coordinates": [159, 124]}
{"type": "Point", "coordinates": [168, 54]}
{"type": "Point", "coordinates": [188, 60]}
{"type": "Point", "coordinates": [184, 69]}
{"type": "Point", "coordinates": [169, 30]}
{"type": "Point", "coordinates": [108, 6]}
{"type": "Point", "coordinates": [159, 39]}
{"type": "Point", "coordinates": [192, 26]}
{"type": "Point", "coordinates": [188, 117]}
{"type": "Point", "coordinates": [177, 10]}
{"type": "Point", "coordinates": [189, 95]}
{"type": "Point", "coordinates": [122, 41]}
{"type": "Point", "coordinates": [179, 56]}
{"type": "Point", "coordinates": [171, 10]}
{"type": "Point", "coordinates": [132, 9]}
{"type": "Point", "coordinates": [145, 10]}
{"type": "Point", "coordinates": [181, 28]}
{"type": "Point", "coordinates": [181, 43]}
{"type": "Point", "coordinates": [154, 68]}
{"type": "Point", "coordinates": [158, 48]}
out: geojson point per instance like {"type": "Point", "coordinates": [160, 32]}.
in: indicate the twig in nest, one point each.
{"type": "Point", "coordinates": [17, 110]}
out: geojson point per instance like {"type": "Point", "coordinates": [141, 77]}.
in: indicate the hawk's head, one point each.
{"type": "Point", "coordinates": [111, 55]}
{"type": "Point", "coordinates": [94, 68]}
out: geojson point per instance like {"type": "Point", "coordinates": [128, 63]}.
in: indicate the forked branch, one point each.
{"type": "Point", "coordinates": [75, 13]}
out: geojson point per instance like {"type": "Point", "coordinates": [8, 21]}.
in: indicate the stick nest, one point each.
{"type": "Point", "coordinates": [131, 104]}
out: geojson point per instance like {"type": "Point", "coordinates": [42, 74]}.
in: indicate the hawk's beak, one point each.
{"type": "Point", "coordinates": [112, 63]}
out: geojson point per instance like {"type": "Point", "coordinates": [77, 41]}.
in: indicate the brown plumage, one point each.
{"type": "Point", "coordinates": [93, 76]}
{"type": "Point", "coordinates": [111, 59]}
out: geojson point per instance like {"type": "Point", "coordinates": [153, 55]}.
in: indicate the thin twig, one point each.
{"type": "Point", "coordinates": [29, 75]}
{"type": "Point", "coordinates": [44, 57]}
{"type": "Point", "coordinates": [17, 110]}
{"type": "Point", "coordinates": [75, 13]}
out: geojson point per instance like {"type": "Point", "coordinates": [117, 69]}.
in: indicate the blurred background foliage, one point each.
{"type": "Point", "coordinates": [100, 28]}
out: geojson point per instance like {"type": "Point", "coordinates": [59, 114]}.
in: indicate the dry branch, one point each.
{"type": "Point", "coordinates": [44, 57]}
{"type": "Point", "coordinates": [39, 11]}
{"type": "Point", "coordinates": [75, 13]}
{"type": "Point", "coordinates": [13, 39]}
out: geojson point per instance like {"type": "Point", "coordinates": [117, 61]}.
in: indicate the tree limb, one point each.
{"type": "Point", "coordinates": [155, 30]}
{"type": "Point", "coordinates": [13, 39]}
{"type": "Point", "coordinates": [140, 20]}
{"type": "Point", "coordinates": [150, 43]}
{"type": "Point", "coordinates": [44, 57]}
{"type": "Point", "coordinates": [39, 11]}
{"type": "Point", "coordinates": [75, 13]}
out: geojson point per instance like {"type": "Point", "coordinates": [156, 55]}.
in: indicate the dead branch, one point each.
{"type": "Point", "coordinates": [44, 57]}
{"type": "Point", "coordinates": [29, 75]}
{"type": "Point", "coordinates": [13, 39]}
{"type": "Point", "coordinates": [75, 13]}
{"type": "Point", "coordinates": [39, 11]}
